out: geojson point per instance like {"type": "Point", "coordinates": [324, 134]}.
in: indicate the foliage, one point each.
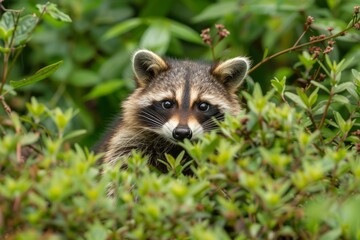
{"type": "Point", "coordinates": [271, 173]}
{"type": "Point", "coordinates": [287, 167]}
{"type": "Point", "coordinates": [96, 74]}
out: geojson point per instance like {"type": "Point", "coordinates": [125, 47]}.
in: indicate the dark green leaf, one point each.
{"type": "Point", "coordinates": [24, 29]}
{"type": "Point", "coordinates": [156, 37]}
{"type": "Point", "coordinates": [184, 32]}
{"type": "Point", "coordinates": [84, 78]}
{"type": "Point", "coordinates": [266, 51]}
{"type": "Point", "coordinates": [75, 133]}
{"type": "Point", "coordinates": [123, 27]}
{"type": "Point", "coordinates": [6, 25]}
{"type": "Point", "coordinates": [7, 21]}
{"type": "Point", "coordinates": [319, 85]}
{"type": "Point", "coordinates": [38, 76]}
{"type": "Point", "coordinates": [52, 10]}
{"type": "Point", "coordinates": [217, 10]}
{"type": "Point", "coordinates": [104, 89]}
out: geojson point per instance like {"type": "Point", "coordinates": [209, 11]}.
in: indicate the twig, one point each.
{"type": "Point", "coordinates": [5, 106]}
{"type": "Point", "coordinates": [294, 48]}
{"type": "Point", "coordinates": [16, 16]}
{"type": "Point", "coordinates": [326, 109]}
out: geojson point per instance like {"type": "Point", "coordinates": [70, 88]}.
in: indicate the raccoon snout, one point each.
{"type": "Point", "coordinates": [182, 132]}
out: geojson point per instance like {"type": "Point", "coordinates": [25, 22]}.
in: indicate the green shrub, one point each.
{"type": "Point", "coordinates": [270, 173]}
{"type": "Point", "coordinates": [288, 167]}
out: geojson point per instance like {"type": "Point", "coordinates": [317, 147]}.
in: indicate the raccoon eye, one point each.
{"type": "Point", "coordinates": [203, 106]}
{"type": "Point", "coordinates": [167, 104]}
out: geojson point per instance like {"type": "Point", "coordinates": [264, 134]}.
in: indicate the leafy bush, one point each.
{"type": "Point", "coordinates": [96, 74]}
{"type": "Point", "coordinates": [287, 167]}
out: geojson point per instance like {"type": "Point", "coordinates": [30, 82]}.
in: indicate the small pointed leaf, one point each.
{"type": "Point", "coordinates": [38, 76]}
{"type": "Point", "coordinates": [52, 10]}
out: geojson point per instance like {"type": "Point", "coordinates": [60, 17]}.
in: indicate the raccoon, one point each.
{"type": "Point", "coordinates": [173, 100]}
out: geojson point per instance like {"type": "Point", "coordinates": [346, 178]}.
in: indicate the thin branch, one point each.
{"type": "Point", "coordinates": [5, 106]}
{"type": "Point", "coordinates": [302, 35]}
{"type": "Point", "coordinates": [16, 16]}
{"type": "Point", "coordinates": [294, 48]}
{"type": "Point", "coordinates": [326, 108]}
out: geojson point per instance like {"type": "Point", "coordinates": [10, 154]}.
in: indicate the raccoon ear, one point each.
{"type": "Point", "coordinates": [232, 72]}
{"type": "Point", "coordinates": [146, 66]}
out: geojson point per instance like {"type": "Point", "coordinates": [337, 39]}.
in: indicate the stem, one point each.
{"type": "Point", "coordinates": [5, 69]}
{"type": "Point", "coordinates": [331, 94]}
{"type": "Point", "coordinates": [312, 119]}
{"type": "Point", "coordinates": [213, 52]}
{"type": "Point", "coordinates": [16, 16]}
{"type": "Point", "coordinates": [14, 59]}
{"type": "Point", "coordinates": [317, 72]}
{"type": "Point", "coordinates": [5, 106]}
{"type": "Point", "coordinates": [262, 133]}
{"type": "Point", "coordinates": [294, 48]}
{"type": "Point", "coordinates": [301, 36]}
{"type": "Point", "coordinates": [342, 140]}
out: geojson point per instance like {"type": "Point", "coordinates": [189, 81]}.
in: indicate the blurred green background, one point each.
{"type": "Point", "coordinates": [97, 46]}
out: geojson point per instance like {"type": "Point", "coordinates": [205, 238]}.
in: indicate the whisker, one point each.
{"type": "Point", "coordinates": [151, 118]}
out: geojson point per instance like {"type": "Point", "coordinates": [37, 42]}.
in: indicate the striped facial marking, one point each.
{"type": "Point", "coordinates": [182, 113]}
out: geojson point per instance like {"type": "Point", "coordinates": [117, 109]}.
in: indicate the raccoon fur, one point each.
{"type": "Point", "coordinates": [173, 100]}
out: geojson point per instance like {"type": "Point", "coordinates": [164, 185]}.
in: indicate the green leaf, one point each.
{"type": "Point", "coordinates": [356, 74]}
{"type": "Point", "coordinates": [339, 120]}
{"type": "Point", "coordinates": [331, 65]}
{"type": "Point", "coordinates": [52, 10]}
{"type": "Point", "coordinates": [319, 85]}
{"type": "Point", "coordinates": [307, 60]}
{"type": "Point", "coordinates": [123, 27]}
{"type": "Point", "coordinates": [84, 78]}
{"type": "Point", "coordinates": [279, 85]}
{"type": "Point", "coordinates": [296, 99]}
{"type": "Point", "coordinates": [217, 10]}
{"type": "Point", "coordinates": [333, 234]}
{"type": "Point", "coordinates": [156, 37]}
{"type": "Point", "coordinates": [38, 76]}
{"type": "Point", "coordinates": [344, 64]}
{"type": "Point", "coordinates": [184, 32]}
{"type": "Point", "coordinates": [266, 52]}
{"type": "Point", "coordinates": [7, 25]}
{"type": "Point", "coordinates": [313, 97]}
{"type": "Point", "coordinates": [29, 138]}
{"type": "Point", "coordinates": [104, 89]}
{"type": "Point", "coordinates": [344, 86]}
{"type": "Point", "coordinates": [341, 99]}
{"type": "Point", "coordinates": [74, 134]}
{"type": "Point", "coordinates": [332, 4]}
{"type": "Point", "coordinates": [303, 97]}
{"type": "Point", "coordinates": [323, 67]}
{"type": "Point", "coordinates": [24, 29]}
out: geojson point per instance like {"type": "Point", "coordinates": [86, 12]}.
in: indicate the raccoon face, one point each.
{"type": "Point", "coordinates": [183, 99]}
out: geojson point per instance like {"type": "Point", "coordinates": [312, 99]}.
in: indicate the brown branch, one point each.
{"type": "Point", "coordinates": [16, 16]}
{"type": "Point", "coordinates": [294, 48]}
{"type": "Point", "coordinates": [326, 108]}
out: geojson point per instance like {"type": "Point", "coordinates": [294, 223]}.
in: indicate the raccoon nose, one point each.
{"type": "Point", "coordinates": [182, 132]}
